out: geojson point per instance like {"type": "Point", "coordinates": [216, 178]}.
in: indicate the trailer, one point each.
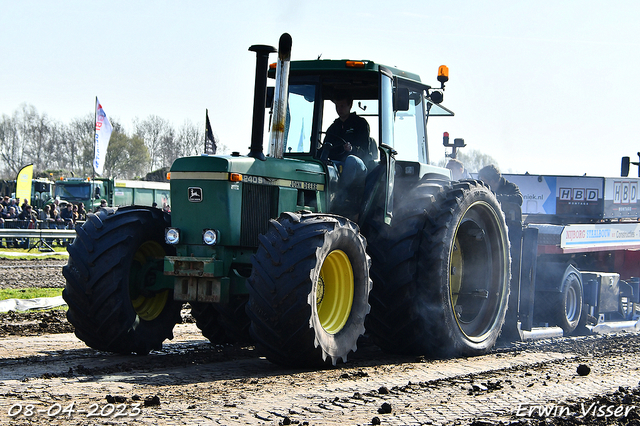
{"type": "Point", "coordinates": [117, 192]}
{"type": "Point", "coordinates": [578, 250]}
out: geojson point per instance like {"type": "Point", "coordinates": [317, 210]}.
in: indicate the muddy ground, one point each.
{"type": "Point", "coordinates": [48, 376]}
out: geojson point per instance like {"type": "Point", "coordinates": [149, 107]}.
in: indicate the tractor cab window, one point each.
{"type": "Point", "coordinates": [365, 108]}
{"type": "Point", "coordinates": [297, 137]}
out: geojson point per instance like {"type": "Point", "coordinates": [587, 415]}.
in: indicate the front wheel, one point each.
{"type": "Point", "coordinates": [115, 293]}
{"type": "Point", "coordinates": [309, 289]}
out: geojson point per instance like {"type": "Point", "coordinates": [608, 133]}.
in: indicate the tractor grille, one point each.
{"type": "Point", "coordinates": [259, 204]}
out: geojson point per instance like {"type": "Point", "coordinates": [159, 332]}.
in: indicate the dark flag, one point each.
{"type": "Point", "coordinates": [209, 141]}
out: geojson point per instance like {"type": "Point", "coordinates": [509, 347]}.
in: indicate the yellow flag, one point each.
{"type": "Point", "coordinates": [23, 183]}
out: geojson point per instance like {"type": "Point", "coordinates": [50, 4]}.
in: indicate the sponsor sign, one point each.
{"type": "Point", "coordinates": [600, 236]}
{"type": "Point", "coordinates": [621, 197]}
{"type": "Point", "coordinates": [560, 195]}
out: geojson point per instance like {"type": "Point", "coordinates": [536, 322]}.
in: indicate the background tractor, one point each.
{"type": "Point", "coordinates": [269, 249]}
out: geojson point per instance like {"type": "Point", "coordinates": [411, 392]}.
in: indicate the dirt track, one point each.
{"type": "Point", "coordinates": [44, 377]}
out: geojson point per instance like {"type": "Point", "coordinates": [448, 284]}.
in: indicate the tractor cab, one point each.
{"type": "Point", "coordinates": [395, 106]}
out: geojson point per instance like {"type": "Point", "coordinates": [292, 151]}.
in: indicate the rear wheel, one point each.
{"type": "Point", "coordinates": [560, 300]}
{"type": "Point", "coordinates": [441, 272]}
{"type": "Point", "coordinates": [566, 307]}
{"type": "Point", "coordinates": [309, 289]}
{"type": "Point", "coordinates": [223, 322]}
{"type": "Point", "coordinates": [208, 321]}
{"type": "Point", "coordinates": [234, 319]}
{"type": "Point", "coordinates": [114, 274]}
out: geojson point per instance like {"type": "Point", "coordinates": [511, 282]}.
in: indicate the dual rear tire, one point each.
{"type": "Point", "coordinates": [441, 272]}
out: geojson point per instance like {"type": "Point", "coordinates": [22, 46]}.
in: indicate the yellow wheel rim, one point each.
{"type": "Point", "coordinates": [455, 273]}
{"type": "Point", "coordinates": [149, 308]}
{"type": "Point", "coordinates": [334, 292]}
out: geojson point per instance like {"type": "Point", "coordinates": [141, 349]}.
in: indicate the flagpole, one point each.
{"type": "Point", "coordinates": [206, 129]}
{"type": "Point", "coordinates": [206, 116]}
{"type": "Point", "coordinates": [95, 117]}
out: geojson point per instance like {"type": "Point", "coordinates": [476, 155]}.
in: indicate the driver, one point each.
{"type": "Point", "coordinates": [349, 139]}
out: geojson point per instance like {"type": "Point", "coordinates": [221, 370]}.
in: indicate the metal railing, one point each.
{"type": "Point", "coordinates": [35, 234]}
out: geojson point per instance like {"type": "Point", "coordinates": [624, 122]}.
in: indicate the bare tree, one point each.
{"type": "Point", "coordinates": [472, 159]}
{"type": "Point", "coordinates": [29, 137]}
{"type": "Point", "coordinates": [80, 142]}
{"type": "Point", "coordinates": [9, 146]}
{"type": "Point", "coordinates": [168, 148]}
{"type": "Point", "coordinates": [56, 152]}
{"type": "Point", "coordinates": [21, 138]}
{"type": "Point", "coordinates": [190, 140]}
{"type": "Point", "coordinates": [155, 132]}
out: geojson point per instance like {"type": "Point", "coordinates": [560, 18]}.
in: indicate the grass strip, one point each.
{"type": "Point", "coordinates": [29, 293]}
{"type": "Point", "coordinates": [25, 254]}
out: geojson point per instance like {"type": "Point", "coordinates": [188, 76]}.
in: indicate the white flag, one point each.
{"type": "Point", "coordinates": [103, 133]}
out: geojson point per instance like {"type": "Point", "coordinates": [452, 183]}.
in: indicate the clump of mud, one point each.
{"type": "Point", "coordinates": [34, 323]}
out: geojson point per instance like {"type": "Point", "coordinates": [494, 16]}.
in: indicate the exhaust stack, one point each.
{"type": "Point", "coordinates": [281, 98]}
{"type": "Point", "coordinates": [259, 99]}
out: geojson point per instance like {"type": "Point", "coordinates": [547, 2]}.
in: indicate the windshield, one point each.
{"type": "Point", "coordinates": [297, 137]}
{"type": "Point", "coordinates": [73, 192]}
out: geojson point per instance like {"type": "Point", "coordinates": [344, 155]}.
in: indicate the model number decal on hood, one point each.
{"type": "Point", "coordinates": [259, 180]}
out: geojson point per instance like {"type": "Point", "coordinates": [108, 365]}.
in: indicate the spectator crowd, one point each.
{"type": "Point", "coordinates": [51, 216]}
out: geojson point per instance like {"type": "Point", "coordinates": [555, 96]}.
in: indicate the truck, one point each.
{"type": "Point", "coordinates": [117, 192]}
{"type": "Point", "coordinates": [41, 190]}
{"type": "Point", "coordinates": [280, 250]}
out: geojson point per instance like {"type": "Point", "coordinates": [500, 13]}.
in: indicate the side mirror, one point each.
{"type": "Point", "coordinates": [401, 101]}
{"type": "Point", "coordinates": [436, 97]}
{"type": "Point", "coordinates": [624, 169]}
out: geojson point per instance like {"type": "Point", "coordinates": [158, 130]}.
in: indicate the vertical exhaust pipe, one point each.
{"type": "Point", "coordinates": [259, 99]}
{"type": "Point", "coordinates": [281, 98]}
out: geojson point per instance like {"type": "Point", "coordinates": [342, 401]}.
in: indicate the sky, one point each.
{"type": "Point", "coordinates": [545, 87]}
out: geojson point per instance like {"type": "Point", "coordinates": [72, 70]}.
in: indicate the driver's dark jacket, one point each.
{"type": "Point", "coordinates": [354, 130]}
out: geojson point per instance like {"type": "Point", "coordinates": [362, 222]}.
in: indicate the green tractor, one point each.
{"type": "Point", "coordinates": [279, 251]}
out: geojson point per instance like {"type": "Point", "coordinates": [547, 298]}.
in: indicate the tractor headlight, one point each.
{"type": "Point", "coordinates": [210, 237]}
{"type": "Point", "coordinates": [172, 235]}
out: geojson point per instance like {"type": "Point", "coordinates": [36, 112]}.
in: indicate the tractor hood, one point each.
{"type": "Point", "coordinates": [238, 195]}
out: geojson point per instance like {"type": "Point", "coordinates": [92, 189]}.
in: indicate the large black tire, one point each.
{"type": "Point", "coordinates": [234, 319]}
{"type": "Point", "coordinates": [115, 257]}
{"type": "Point", "coordinates": [208, 321]}
{"type": "Point", "coordinates": [441, 272]}
{"type": "Point", "coordinates": [309, 290]}
{"type": "Point", "coordinates": [223, 322]}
